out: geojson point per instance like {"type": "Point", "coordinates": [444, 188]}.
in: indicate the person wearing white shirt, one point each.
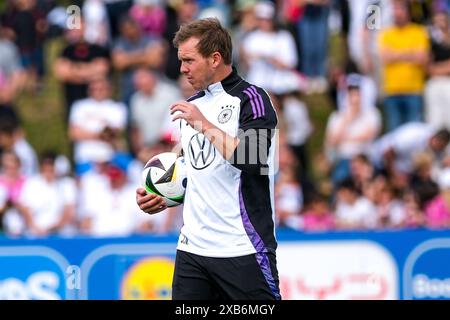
{"type": "Point", "coordinates": [106, 203]}
{"type": "Point", "coordinates": [271, 54]}
{"type": "Point", "coordinates": [151, 101]}
{"type": "Point", "coordinates": [354, 211]}
{"type": "Point", "coordinates": [95, 125]}
{"type": "Point", "coordinates": [298, 128]}
{"type": "Point", "coordinates": [396, 150]}
{"type": "Point", "coordinates": [48, 201]}
{"type": "Point", "coordinates": [12, 138]}
{"type": "Point", "coordinates": [351, 130]}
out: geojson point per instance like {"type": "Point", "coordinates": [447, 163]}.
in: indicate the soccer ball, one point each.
{"type": "Point", "coordinates": [165, 175]}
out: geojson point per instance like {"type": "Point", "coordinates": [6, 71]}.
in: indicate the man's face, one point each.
{"type": "Point", "coordinates": [187, 11]}
{"type": "Point", "coordinates": [440, 20]}
{"type": "Point", "coordinates": [6, 140]}
{"type": "Point", "coordinates": [144, 81]}
{"type": "Point", "coordinates": [48, 170]}
{"type": "Point", "coordinates": [130, 31]}
{"type": "Point", "coordinates": [99, 90]}
{"type": "Point", "coordinates": [400, 13]}
{"type": "Point", "coordinates": [198, 70]}
{"type": "Point", "coordinates": [437, 145]}
{"type": "Point", "coordinates": [354, 98]}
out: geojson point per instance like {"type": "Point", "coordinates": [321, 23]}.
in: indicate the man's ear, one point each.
{"type": "Point", "coordinates": [216, 59]}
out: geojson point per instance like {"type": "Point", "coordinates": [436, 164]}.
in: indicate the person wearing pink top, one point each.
{"type": "Point", "coordinates": [438, 210]}
{"type": "Point", "coordinates": [12, 182]}
{"type": "Point", "coordinates": [150, 16]}
{"type": "Point", "coordinates": [319, 216]}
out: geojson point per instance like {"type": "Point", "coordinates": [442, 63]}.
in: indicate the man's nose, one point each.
{"type": "Point", "coordinates": [183, 68]}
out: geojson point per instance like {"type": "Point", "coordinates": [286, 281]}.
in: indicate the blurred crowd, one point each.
{"type": "Point", "coordinates": [385, 160]}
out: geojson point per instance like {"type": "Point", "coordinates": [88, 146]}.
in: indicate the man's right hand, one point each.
{"type": "Point", "coordinates": [150, 203]}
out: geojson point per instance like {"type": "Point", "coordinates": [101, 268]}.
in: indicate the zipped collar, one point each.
{"type": "Point", "coordinates": [226, 84]}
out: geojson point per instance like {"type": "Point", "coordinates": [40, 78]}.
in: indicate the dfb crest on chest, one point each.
{"type": "Point", "coordinates": [225, 114]}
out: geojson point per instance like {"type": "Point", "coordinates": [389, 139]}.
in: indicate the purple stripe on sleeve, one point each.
{"type": "Point", "coordinates": [253, 89]}
{"type": "Point", "coordinates": [258, 244]}
{"type": "Point", "coordinates": [255, 99]}
{"type": "Point", "coordinates": [255, 115]}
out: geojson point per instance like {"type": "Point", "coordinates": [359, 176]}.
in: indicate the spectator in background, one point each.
{"type": "Point", "coordinates": [52, 209]}
{"type": "Point", "coordinates": [438, 210]}
{"type": "Point", "coordinates": [26, 25]}
{"type": "Point", "coordinates": [132, 51]}
{"type": "Point", "coordinates": [116, 9]}
{"type": "Point", "coordinates": [313, 37]}
{"type": "Point", "coordinates": [421, 182]}
{"type": "Point", "coordinates": [395, 151]}
{"type": "Point", "coordinates": [437, 92]}
{"type": "Point", "coordinates": [150, 16]}
{"type": "Point", "coordinates": [80, 62]}
{"type": "Point", "coordinates": [12, 181]}
{"type": "Point", "coordinates": [354, 211]}
{"type": "Point", "coordinates": [414, 215]}
{"type": "Point", "coordinates": [364, 30]}
{"type": "Point", "coordinates": [96, 22]}
{"type": "Point", "coordinates": [270, 53]}
{"type": "Point", "coordinates": [108, 209]}
{"type": "Point", "coordinates": [404, 53]}
{"type": "Point", "coordinates": [12, 138]}
{"type": "Point", "coordinates": [298, 128]}
{"type": "Point", "coordinates": [96, 124]}
{"type": "Point", "coordinates": [362, 171]}
{"type": "Point", "coordinates": [338, 88]}
{"type": "Point", "coordinates": [246, 24]}
{"type": "Point", "coordinates": [350, 131]}
{"type": "Point", "coordinates": [11, 72]}
{"type": "Point", "coordinates": [391, 212]}
{"type": "Point", "coordinates": [150, 113]}
{"type": "Point", "coordinates": [318, 215]}
{"type": "Point", "coordinates": [288, 191]}
{"type": "Point", "coordinates": [178, 12]}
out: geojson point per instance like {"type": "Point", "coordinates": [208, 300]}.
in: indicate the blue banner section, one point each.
{"type": "Point", "coordinates": [364, 265]}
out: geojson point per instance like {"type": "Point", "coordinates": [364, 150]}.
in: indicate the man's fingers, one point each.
{"type": "Point", "coordinates": [142, 197]}
{"type": "Point", "coordinates": [141, 191]}
{"type": "Point", "coordinates": [153, 205]}
{"type": "Point", "coordinates": [179, 116]}
{"type": "Point", "coordinates": [181, 103]}
{"type": "Point", "coordinates": [178, 107]}
{"type": "Point", "coordinates": [149, 202]}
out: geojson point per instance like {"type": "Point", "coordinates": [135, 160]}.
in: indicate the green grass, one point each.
{"type": "Point", "coordinates": [43, 113]}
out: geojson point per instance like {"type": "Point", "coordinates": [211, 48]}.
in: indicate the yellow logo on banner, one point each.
{"type": "Point", "coordinates": [148, 279]}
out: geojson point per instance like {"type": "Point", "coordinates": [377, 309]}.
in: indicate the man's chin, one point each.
{"type": "Point", "coordinates": [197, 87]}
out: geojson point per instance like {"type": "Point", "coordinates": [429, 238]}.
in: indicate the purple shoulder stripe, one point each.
{"type": "Point", "coordinates": [250, 95]}
{"type": "Point", "coordinates": [253, 89]}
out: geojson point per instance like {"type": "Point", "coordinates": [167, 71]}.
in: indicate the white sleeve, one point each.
{"type": "Point", "coordinates": [3, 196]}
{"type": "Point", "coordinates": [76, 116]}
{"type": "Point", "coordinates": [27, 196]}
{"type": "Point", "coordinates": [118, 119]}
{"type": "Point", "coordinates": [405, 140]}
{"type": "Point", "coordinates": [69, 191]}
{"type": "Point", "coordinates": [133, 110]}
{"type": "Point", "coordinates": [377, 123]}
{"type": "Point", "coordinates": [287, 51]}
{"type": "Point", "coordinates": [86, 198]}
{"type": "Point", "coordinates": [332, 123]}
